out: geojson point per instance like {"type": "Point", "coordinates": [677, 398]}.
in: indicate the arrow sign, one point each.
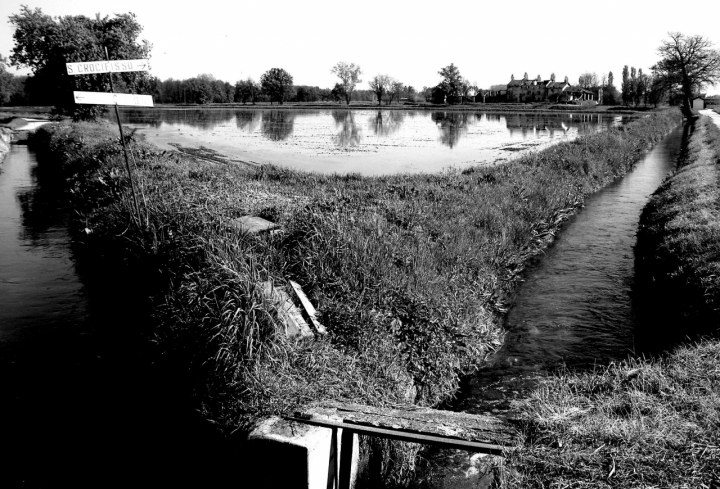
{"type": "Point", "coordinates": [119, 66]}
{"type": "Point", "coordinates": [101, 98]}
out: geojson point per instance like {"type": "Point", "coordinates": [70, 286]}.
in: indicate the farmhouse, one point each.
{"type": "Point", "coordinates": [537, 89]}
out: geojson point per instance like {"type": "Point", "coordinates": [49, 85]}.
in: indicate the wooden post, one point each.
{"type": "Point", "coordinates": [122, 140]}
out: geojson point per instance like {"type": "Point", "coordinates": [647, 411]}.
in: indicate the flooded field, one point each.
{"type": "Point", "coordinates": [370, 142]}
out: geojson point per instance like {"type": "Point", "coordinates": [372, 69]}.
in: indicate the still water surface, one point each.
{"type": "Point", "coordinates": [80, 405]}
{"type": "Point", "coordinates": [364, 141]}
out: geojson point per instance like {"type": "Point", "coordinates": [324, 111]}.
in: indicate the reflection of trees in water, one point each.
{"type": "Point", "coordinates": [248, 120]}
{"type": "Point", "coordinates": [39, 205]}
{"type": "Point", "coordinates": [387, 122]}
{"type": "Point", "coordinates": [206, 119]}
{"type": "Point", "coordinates": [530, 123]}
{"type": "Point", "coordinates": [277, 125]}
{"type": "Point", "coordinates": [452, 125]}
{"type": "Point", "coordinates": [349, 134]}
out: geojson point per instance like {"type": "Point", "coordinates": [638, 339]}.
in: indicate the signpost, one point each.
{"type": "Point", "coordinates": [112, 98]}
{"type": "Point", "coordinates": [95, 67]}
{"type": "Point", "coordinates": [102, 98]}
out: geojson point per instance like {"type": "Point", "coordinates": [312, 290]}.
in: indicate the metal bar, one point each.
{"type": "Point", "coordinates": [347, 439]}
{"type": "Point", "coordinates": [122, 139]}
{"type": "Point", "coordinates": [332, 482]}
{"type": "Point", "coordinates": [409, 436]}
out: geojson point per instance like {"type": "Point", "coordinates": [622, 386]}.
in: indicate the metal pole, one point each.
{"type": "Point", "coordinates": [122, 140]}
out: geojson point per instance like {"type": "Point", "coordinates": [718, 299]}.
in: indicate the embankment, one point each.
{"type": "Point", "coordinates": [647, 423]}
{"type": "Point", "coordinates": [409, 272]}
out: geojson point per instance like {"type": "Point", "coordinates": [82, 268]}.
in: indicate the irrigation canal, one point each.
{"type": "Point", "coordinates": [80, 404]}
{"type": "Point", "coordinates": [578, 306]}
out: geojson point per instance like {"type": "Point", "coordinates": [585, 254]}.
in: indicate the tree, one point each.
{"type": "Point", "coordinates": [627, 89]}
{"type": "Point", "coordinates": [379, 85]}
{"type": "Point", "coordinates": [687, 64]}
{"type": "Point", "coordinates": [44, 44]}
{"type": "Point", "coordinates": [394, 89]}
{"type": "Point", "coordinates": [611, 96]}
{"type": "Point", "coordinates": [246, 91]}
{"type": "Point", "coordinates": [6, 84]}
{"type": "Point", "coordinates": [338, 92]}
{"type": "Point", "coordinates": [277, 84]}
{"type": "Point", "coordinates": [349, 74]}
{"type": "Point", "coordinates": [451, 82]}
{"type": "Point", "coordinates": [588, 80]}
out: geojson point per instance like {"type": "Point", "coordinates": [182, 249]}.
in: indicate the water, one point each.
{"type": "Point", "coordinates": [364, 141]}
{"type": "Point", "coordinates": [80, 403]}
{"type": "Point", "coordinates": [576, 307]}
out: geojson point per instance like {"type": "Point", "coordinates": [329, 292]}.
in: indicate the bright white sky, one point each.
{"type": "Point", "coordinates": [410, 41]}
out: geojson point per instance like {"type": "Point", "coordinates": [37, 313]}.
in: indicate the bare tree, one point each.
{"type": "Point", "coordinates": [588, 80]}
{"type": "Point", "coordinates": [687, 63]}
{"type": "Point", "coordinates": [380, 85]}
{"type": "Point", "coordinates": [394, 90]}
{"type": "Point", "coordinates": [349, 74]}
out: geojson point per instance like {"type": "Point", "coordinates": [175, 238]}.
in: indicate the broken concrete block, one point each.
{"type": "Point", "coordinates": [253, 225]}
{"type": "Point", "coordinates": [290, 315]}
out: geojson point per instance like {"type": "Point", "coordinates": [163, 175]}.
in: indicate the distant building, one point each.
{"type": "Point", "coordinates": [713, 101]}
{"type": "Point", "coordinates": [538, 90]}
{"type": "Point", "coordinates": [698, 103]}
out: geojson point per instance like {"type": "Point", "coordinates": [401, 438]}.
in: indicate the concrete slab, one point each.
{"type": "Point", "coordinates": [253, 225]}
{"type": "Point", "coordinates": [282, 453]}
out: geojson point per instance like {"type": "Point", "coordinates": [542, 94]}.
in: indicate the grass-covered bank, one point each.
{"type": "Point", "coordinates": [679, 240]}
{"type": "Point", "coordinates": [647, 423]}
{"type": "Point", "coordinates": [409, 272]}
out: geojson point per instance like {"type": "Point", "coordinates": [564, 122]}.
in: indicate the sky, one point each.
{"type": "Point", "coordinates": [410, 41]}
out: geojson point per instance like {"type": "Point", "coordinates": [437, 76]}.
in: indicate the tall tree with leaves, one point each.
{"type": "Point", "coordinates": [349, 74]}
{"type": "Point", "coordinates": [44, 44]}
{"type": "Point", "coordinates": [277, 84]}
{"type": "Point", "coordinates": [610, 92]}
{"type": "Point", "coordinates": [627, 89]}
{"type": "Point", "coordinates": [451, 81]}
{"type": "Point", "coordinates": [687, 64]}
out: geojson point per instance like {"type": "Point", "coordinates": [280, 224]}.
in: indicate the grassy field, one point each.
{"type": "Point", "coordinates": [410, 273]}
{"type": "Point", "coordinates": [647, 423]}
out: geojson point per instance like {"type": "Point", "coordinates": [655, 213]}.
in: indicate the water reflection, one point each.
{"type": "Point", "coordinates": [277, 125]}
{"type": "Point", "coordinates": [387, 122]}
{"type": "Point", "coordinates": [349, 134]}
{"type": "Point", "coordinates": [248, 120]}
{"type": "Point", "coordinates": [452, 126]}
{"type": "Point", "coordinates": [342, 139]}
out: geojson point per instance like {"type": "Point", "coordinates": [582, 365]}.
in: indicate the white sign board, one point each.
{"type": "Point", "coordinates": [118, 66]}
{"type": "Point", "coordinates": [102, 98]}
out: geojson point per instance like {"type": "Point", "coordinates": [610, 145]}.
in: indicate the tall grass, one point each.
{"type": "Point", "coordinates": [410, 273]}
